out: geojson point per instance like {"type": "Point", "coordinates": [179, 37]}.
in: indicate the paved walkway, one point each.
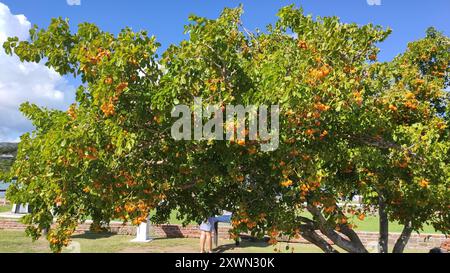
{"type": "Point", "coordinates": [10, 215]}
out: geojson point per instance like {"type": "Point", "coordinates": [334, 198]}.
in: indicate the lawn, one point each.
{"type": "Point", "coordinates": [17, 242]}
{"type": "Point", "coordinates": [369, 224]}
{"type": "Point", "coordinates": [5, 208]}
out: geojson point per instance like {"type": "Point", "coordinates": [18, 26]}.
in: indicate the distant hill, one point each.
{"type": "Point", "coordinates": [8, 148]}
{"type": "Point", "coordinates": [8, 152]}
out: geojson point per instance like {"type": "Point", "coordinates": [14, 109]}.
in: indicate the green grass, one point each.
{"type": "Point", "coordinates": [5, 208]}
{"type": "Point", "coordinates": [17, 242]}
{"type": "Point", "coordinates": [371, 224]}
{"type": "Point", "coordinates": [174, 221]}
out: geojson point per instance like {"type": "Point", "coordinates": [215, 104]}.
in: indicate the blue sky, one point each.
{"type": "Point", "coordinates": [408, 18]}
{"type": "Point", "coordinates": [165, 19]}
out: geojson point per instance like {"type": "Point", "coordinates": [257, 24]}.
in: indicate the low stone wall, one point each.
{"type": "Point", "coordinates": [10, 224]}
{"type": "Point", "coordinates": [164, 231]}
{"type": "Point", "coordinates": [417, 241]}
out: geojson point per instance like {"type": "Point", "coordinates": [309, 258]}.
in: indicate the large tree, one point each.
{"type": "Point", "coordinates": [349, 125]}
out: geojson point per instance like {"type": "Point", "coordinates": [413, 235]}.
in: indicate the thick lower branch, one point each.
{"type": "Point", "coordinates": [311, 236]}
{"type": "Point", "coordinates": [354, 238]}
{"type": "Point", "coordinates": [382, 144]}
{"type": "Point", "coordinates": [340, 241]}
{"type": "Point", "coordinates": [308, 232]}
{"type": "Point", "coordinates": [384, 227]}
{"type": "Point", "coordinates": [400, 245]}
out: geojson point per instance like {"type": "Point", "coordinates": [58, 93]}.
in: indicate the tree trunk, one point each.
{"type": "Point", "coordinates": [403, 239]}
{"type": "Point", "coordinates": [216, 234]}
{"type": "Point", "coordinates": [384, 227]}
{"type": "Point", "coordinates": [314, 238]}
{"type": "Point", "coordinates": [346, 244]}
{"type": "Point", "coordinates": [351, 234]}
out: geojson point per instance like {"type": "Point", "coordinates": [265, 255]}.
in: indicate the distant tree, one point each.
{"type": "Point", "coordinates": [7, 154]}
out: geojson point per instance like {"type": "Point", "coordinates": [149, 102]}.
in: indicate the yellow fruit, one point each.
{"type": "Point", "coordinates": [287, 183]}
{"type": "Point", "coordinates": [424, 183]}
{"type": "Point", "coordinates": [411, 105]}
{"type": "Point", "coordinates": [304, 188]}
{"type": "Point", "coordinates": [108, 108]}
{"type": "Point", "coordinates": [393, 108]}
{"type": "Point", "coordinates": [410, 95]}
{"type": "Point", "coordinates": [420, 81]}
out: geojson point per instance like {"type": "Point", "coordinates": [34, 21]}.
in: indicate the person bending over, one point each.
{"type": "Point", "coordinates": [206, 229]}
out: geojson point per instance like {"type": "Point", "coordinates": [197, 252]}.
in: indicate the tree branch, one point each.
{"type": "Point", "coordinates": [311, 236]}
{"type": "Point", "coordinates": [384, 225]}
{"type": "Point", "coordinates": [351, 234]}
{"type": "Point", "coordinates": [401, 242]}
{"type": "Point", "coordinates": [382, 144]}
{"type": "Point", "coordinates": [332, 234]}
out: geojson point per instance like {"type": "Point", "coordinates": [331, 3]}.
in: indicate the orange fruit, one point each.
{"type": "Point", "coordinates": [393, 108]}
{"type": "Point", "coordinates": [424, 183]}
{"type": "Point", "coordinates": [121, 86]}
{"type": "Point", "coordinates": [321, 107]}
{"type": "Point", "coordinates": [287, 183]}
{"type": "Point", "coordinates": [302, 44]}
{"type": "Point", "coordinates": [310, 132]}
{"type": "Point", "coordinates": [109, 80]}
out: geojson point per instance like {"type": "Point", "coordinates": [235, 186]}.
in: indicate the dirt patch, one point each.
{"type": "Point", "coordinates": [159, 249]}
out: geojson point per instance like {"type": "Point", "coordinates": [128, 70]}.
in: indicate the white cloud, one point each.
{"type": "Point", "coordinates": [21, 82]}
{"type": "Point", "coordinates": [74, 2]}
{"type": "Point", "coordinates": [374, 2]}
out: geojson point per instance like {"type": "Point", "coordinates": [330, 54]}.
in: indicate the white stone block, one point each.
{"type": "Point", "coordinates": [142, 233]}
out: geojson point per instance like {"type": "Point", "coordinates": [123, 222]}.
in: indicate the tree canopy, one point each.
{"type": "Point", "coordinates": [349, 125]}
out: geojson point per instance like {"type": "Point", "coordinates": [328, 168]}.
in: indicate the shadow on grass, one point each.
{"type": "Point", "coordinates": [246, 243]}
{"type": "Point", "coordinates": [92, 235]}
